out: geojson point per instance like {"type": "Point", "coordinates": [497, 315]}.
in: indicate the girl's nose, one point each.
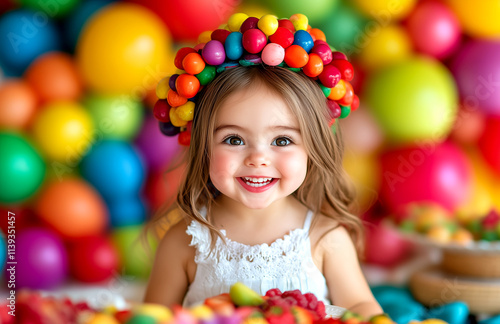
{"type": "Point", "coordinates": [257, 158]}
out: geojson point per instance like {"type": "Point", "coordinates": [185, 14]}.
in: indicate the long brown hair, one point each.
{"type": "Point", "coordinates": [326, 188]}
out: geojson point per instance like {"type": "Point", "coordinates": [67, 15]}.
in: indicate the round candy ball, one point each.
{"type": "Point", "coordinates": [42, 260]}
{"type": "Point", "coordinates": [478, 19]}
{"type": "Point", "coordinates": [25, 35]}
{"type": "Point", "coordinates": [434, 29]}
{"type": "Point", "coordinates": [213, 52]}
{"type": "Point", "coordinates": [73, 208]}
{"type": "Point", "coordinates": [123, 49]}
{"type": "Point", "coordinates": [52, 9]}
{"type": "Point", "coordinates": [430, 172]}
{"type": "Point", "coordinates": [126, 211]}
{"type": "Point", "coordinates": [54, 76]}
{"type": "Point", "coordinates": [22, 170]}
{"type": "Point", "coordinates": [254, 40]}
{"type": "Point", "coordinates": [157, 149]}
{"type": "Point", "coordinates": [114, 168]}
{"type": "Point", "coordinates": [476, 69]}
{"type": "Point", "coordinates": [413, 100]}
{"type": "Point", "coordinates": [489, 142]}
{"type": "Point", "coordinates": [118, 117]}
{"type": "Point", "coordinates": [18, 104]}
{"type": "Point", "coordinates": [273, 54]}
{"type": "Point", "coordinates": [64, 131]}
{"type": "Point", "coordinates": [133, 255]}
{"type": "Point", "coordinates": [93, 259]}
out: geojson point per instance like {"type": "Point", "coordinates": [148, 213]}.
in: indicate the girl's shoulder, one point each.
{"type": "Point", "coordinates": [177, 238]}
{"type": "Point", "coordinates": [327, 233]}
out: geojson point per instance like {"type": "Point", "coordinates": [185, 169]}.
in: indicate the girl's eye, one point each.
{"type": "Point", "coordinates": [233, 140]}
{"type": "Point", "coordinates": [282, 141]}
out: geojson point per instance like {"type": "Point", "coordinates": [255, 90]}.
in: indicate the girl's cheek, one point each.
{"type": "Point", "coordinates": [222, 164]}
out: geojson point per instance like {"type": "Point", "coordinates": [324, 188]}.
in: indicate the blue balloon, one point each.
{"type": "Point", "coordinates": [452, 313]}
{"type": "Point", "coordinates": [3, 252]}
{"type": "Point", "coordinates": [127, 211]}
{"type": "Point", "coordinates": [25, 35]}
{"type": "Point", "coordinates": [115, 168]}
{"type": "Point", "coordinates": [303, 39]}
{"type": "Point", "coordinates": [74, 23]}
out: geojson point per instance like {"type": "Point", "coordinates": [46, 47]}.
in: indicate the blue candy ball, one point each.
{"type": "Point", "coordinates": [233, 46]}
{"type": "Point", "coordinates": [114, 168]}
{"type": "Point", "coordinates": [303, 39]}
{"type": "Point", "coordinates": [25, 35]}
{"type": "Point", "coordinates": [452, 313]}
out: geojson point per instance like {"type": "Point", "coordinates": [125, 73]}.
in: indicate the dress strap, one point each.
{"type": "Point", "coordinates": [308, 220]}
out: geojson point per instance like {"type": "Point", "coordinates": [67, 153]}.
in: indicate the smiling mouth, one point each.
{"type": "Point", "coordinates": [256, 182]}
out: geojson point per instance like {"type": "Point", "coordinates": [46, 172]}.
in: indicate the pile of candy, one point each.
{"type": "Point", "coordinates": [240, 305]}
{"type": "Point", "coordinates": [246, 41]}
{"type": "Point", "coordinates": [442, 226]}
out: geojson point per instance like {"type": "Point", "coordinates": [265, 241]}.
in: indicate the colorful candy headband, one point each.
{"type": "Point", "coordinates": [246, 41]}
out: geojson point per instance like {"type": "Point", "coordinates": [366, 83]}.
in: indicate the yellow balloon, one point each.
{"type": "Point", "coordinates": [478, 18]}
{"type": "Point", "coordinates": [64, 132]}
{"type": "Point", "coordinates": [124, 49]}
{"type": "Point", "coordinates": [391, 44]}
{"type": "Point", "coordinates": [385, 10]}
{"type": "Point", "coordinates": [364, 171]}
{"type": "Point", "coordinates": [252, 9]}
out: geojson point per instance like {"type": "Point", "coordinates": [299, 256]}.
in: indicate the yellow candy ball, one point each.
{"type": "Point", "coordinates": [205, 37]}
{"type": "Point", "coordinates": [175, 119]}
{"type": "Point", "coordinates": [102, 319]}
{"type": "Point", "coordinates": [64, 131]}
{"type": "Point", "coordinates": [202, 312]}
{"type": "Point", "coordinates": [157, 311]}
{"type": "Point", "coordinates": [299, 21]}
{"type": "Point", "coordinates": [186, 111]}
{"type": "Point", "coordinates": [268, 24]}
{"type": "Point", "coordinates": [162, 88]}
{"type": "Point", "coordinates": [235, 21]}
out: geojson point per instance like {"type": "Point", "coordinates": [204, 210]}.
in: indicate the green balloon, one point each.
{"type": "Point", "coordinates": [136, 258]}
{"type": "Point", "coordinates": [413, 100]}
{"type": "Point", "coordinates": [53, 9]}
{"type": "Point", "coordinates": [315, 10]}
{"type": "Point", "coordinates": [22, 170]}
{"type": "Point", "coordinates": [141, 319]}
{"type": "Point", "coordinates": [345, 29]}
{"type": "Point", "coordinates": [115, 117]}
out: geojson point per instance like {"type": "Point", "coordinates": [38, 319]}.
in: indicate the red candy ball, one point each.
{"type": "Point", "coordinates": [254, 40]}
{"type": "Point", "coordinates": [193, 63]}
{"type": "Point", "coordinates": [187, 85]}
{"type": "Point", "coordinates": [181, 54]}
{"type": "Point", "coordinates": [249, 23]}
{"type": "Point", "coordinates": [286, 23]}
{"type": "Point", "coordinates": [345, 68]}
{"type": "Point", "coordinates": [314, 66]}
{"type": "Point", "coordinates": [348, 98]}
{"type": "Point", "coordinates": [283, 37]}
{"type": "Point", "coordinates": [334, 108]}
{"type": "Point", "coordinates": [339, 56]}
{"type": "Point", "coordinates": [161, 110]}
{"type": "Point", "coordinates": [220, 35]}
{"type": "Point", "coordinates": [184, 138]}
{"type": "Point", "coordinates": [324, 51]}
{"type": "Point", "coordinates": [330, 76]}
{"type": "Point", "coordinates": [296, 57]}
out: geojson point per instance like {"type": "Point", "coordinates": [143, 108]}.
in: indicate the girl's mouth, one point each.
{"type": "Point", "coordinates": [257, 184]}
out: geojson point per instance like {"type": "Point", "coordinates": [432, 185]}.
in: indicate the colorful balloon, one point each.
{"type": "Point", "coordinates": [44, 260]}
{"type": "Point", "coordinates": [22, 170]}
{"type": "Point", "coordinates": [135, 258]}
{"type": "Point", "coordinates": [18, 104]}
{"type": "Point", "coordinates": [64, 131]}
{"type": "Point", "coordinates": [478, 19]}
{"type": "Point", "coordinates": [73, 208]}
{"type": "Point", "coordinates": [489, 143]}
{"type": "Point", "coordinates": [385, 10]}
{"type": "Point", "coordinates": [127, 211]}
{"type": "Point", "coordinates": [413, 100]}
{"type": "Point", "coordinates": [316, 10]}
{"type": "Point", "coordinates": [428, 172]}
{"type": "Point", "coordinates": [124, 49]}
{"type": "Point", "coordinates": [56, 9]}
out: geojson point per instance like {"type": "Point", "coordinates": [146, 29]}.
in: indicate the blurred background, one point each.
{"type": "Point", "coordinates": [83, 164]}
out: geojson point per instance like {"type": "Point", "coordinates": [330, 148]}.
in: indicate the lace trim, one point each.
{"type": "Point", "coordinates": [282, 258]}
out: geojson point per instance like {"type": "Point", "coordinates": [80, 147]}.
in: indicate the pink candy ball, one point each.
{"type": "Point", "coordinates": [254, 41]}
{"type": "Point", "coordinates": [273, 54]}
{"type": "Point", "coordinates": [213, 52]}
{"type": "Point", "coordinates": [324, 51]}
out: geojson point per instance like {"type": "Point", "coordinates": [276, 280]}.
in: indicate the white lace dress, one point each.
{"type": "Point", "coordinates": [285, 264]}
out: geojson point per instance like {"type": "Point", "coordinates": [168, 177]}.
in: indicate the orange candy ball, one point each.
{"type": "Point", "coordinates": [314, 66]}
{"type": "Point", "coordinates": [338, 91]}
{"type": "Point", "coordinates": [296, 56]}
{"type": "Point", "coordinates": [174, 99]}
{"type": "Point", "coordinates": [193, 63]}
{"type": "Point", "coordinates": [73, 208]}
{"type": "Point", "coordinates": [18, 104]}
{"type": "Point", "coordinates": [54, 76]}
{"type": "Point", "coordinates": [317, 34]}
{"type": "Point", "coordinates": [187, 85]}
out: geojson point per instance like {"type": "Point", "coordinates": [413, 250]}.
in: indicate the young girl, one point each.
{"type": "Point", "coordinates": [265, 199]}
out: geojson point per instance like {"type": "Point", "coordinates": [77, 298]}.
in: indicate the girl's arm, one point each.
{"type": "Point", "coordinates": [346, 282]}
{"type": "Point", "coordinates": [169, 277]}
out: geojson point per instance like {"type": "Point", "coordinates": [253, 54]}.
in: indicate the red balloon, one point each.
{"type": "Point", "coordinates": [489, 142]}
{"type": "Point", "coordinates": [187, 19]}
{"type": "Point", "coordinates": [93, 259]}
{"type": "Point", "coordinates": [434, 29]}
{"type": "Point", "coordinates": [429, 172]}
{"type": "Point", "coordinates": [161, 187]}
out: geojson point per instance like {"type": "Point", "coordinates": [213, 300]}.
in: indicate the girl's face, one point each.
{"type": "Point", "coordinates": [258, 155]}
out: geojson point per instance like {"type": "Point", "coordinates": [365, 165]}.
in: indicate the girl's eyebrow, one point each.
{"type": "Point", "coordinates": [272, 127]}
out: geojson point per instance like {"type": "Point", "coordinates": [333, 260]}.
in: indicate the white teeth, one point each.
{"type": "Point", "coordinates": [257, 182]}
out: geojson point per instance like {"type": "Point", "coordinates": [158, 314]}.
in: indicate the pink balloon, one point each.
{"type": "Point", "coordinates": [429, 172]}
{"type": "Point", "coordinates": [158, 150]}
{"type": "Point", "coordinates": [434, 29]}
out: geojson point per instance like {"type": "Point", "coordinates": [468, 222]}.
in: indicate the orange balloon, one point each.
{"type": "Point", "coordinates": [18, 103]}
{"type": "Point", "coordinates": [54, 76]}
{"type": "Point", "coordinates": [72, 208]}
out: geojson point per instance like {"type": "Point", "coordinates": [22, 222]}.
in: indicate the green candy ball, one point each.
{"type": "Point", "coordinates": [413, 100]}
{"type": "Point", "coordinates": [22, 170]}
{"type": "Point", "coordinates": [207, 75]}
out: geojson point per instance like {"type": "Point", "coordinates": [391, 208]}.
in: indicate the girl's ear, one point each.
{"type": "Point", "coordinates": [214, 191]}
